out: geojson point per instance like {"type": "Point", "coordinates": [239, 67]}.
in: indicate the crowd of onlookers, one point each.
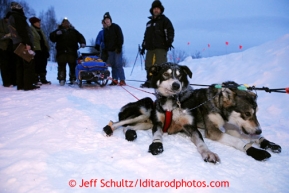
{"type": "Point", "coordinates": [30, 75]}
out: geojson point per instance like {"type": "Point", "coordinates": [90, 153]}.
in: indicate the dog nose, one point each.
{"type": "Point", "coordinates": [258, 132]}
{"type": "Point", "coordinates": [175, 86]}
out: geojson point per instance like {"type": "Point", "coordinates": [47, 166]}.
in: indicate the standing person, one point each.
{"type": "Point", "coordinates": [41, 48]}
{"type": "Point", "coordinates": [158, 38]}
{"type": "Point", "coordinates": [67, 39]}
{"type": "Point", "coordinates": [113, 41]}
{"type": "Point", "coordinates": [99, 43]}
{"type": "Point", "coordinates": [7, 62]}
{"type": "Point", "coordinates": [21, 33]}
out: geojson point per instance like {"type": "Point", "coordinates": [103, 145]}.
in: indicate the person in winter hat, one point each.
{"type": "Point", "coordinates": [41, 48]}
{"type": "Point", "coordinates": [21, 33]}
{"type": "Point", "coordinates": [158, 4]}
{"type": "Point", "coordinates": [7, 63]}
{"type": "Point", "coordinates": [113, 41]}
{"type": "Point", "coordinates": [15, 5]}
{"type": "Point", "coordinates": [67, 40]}
{"type": "Point", "coordinates": [158, 38]}
{"type": "Point", "coordinates": [107, 15]}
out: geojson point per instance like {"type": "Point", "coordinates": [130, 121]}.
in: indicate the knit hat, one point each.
{"type": "Point", "coordinates": [157, 3]}
{"type": "Point", "coordinates": [15, 5]}
{"type": "Point", "coordinates": [107, 15]}
{"type": "Point", "coordinates": [65, 19]}
{"type": "Point", "coordinates": [34, 20]}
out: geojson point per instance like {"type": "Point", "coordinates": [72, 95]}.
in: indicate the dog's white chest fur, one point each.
{"type": "Point", "coordinates": [180, 117]}
{"type": "Point", "coordinates": [168, 106]}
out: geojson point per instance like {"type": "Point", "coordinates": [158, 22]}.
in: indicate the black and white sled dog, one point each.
{"type": "Point", "coordinates": [228, 115]}
{"type": "Point", "coordinates": [170, 113]}
{"type": "Point", "coordinates": [174, 108]}
{"type": "Point", "coordinates": [133, 116]}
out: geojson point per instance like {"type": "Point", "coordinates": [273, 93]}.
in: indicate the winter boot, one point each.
{"type": "Point", "coordinates": [43, 79]}
{"type": "Point", "coordinates": [122, 83]}
{"type": "Point", "coordinates": [72, 78]}
{"type": "Point", "coordinates": [62, 82]}
{"type": "Point", "coordinates": [72, 81]}
{"type": "Point", "coordinates": [37, 80]}
{"type": "Point", "coordinates": [113, 82]}
{"type": "Point", "coordinates": [147, 83]}
{"type": "Point", "coordinates": [61, 77]}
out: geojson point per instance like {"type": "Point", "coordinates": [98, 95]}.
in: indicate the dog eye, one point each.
{"type": "Point", "coordinates": [166, 75]}
{"type": "Point", "coordinates": [248, 114]}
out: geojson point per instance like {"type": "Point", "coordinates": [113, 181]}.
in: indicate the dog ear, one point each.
{"type": "Point", "coordinates": [187, 71]}
{"type": "Point", "coordinates": [228, 97]}
{"type": "Point", "coordinates": [154, 70]}
{"type": "Point", "coordinates": [253, 95]}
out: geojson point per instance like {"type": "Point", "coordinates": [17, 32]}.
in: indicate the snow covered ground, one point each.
{"type": "Point", "coordinates": [52, 139]}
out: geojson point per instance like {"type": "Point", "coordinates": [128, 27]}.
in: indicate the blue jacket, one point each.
{"type": "Point", "coordinates": [100, 39]}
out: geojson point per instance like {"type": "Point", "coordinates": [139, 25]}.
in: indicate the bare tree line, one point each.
{"type": "Point", "coordinates": [48, 19]}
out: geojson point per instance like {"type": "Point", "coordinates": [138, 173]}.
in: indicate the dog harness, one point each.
{"type": "Point", "coordinates": [168, 120]}
{"type": "Point", "coordinates": [169, 114]}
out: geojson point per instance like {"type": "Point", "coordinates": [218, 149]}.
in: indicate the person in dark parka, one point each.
{"type": "Point", "coordinates": [67, 40]}
{"type": "Point", "coordinates": [113, 41]}
{"type": "Point", "coordinates": [7, 61]}
{"type": "Point", "coordinates": [21, 33]}
{"type": "Point", "coordinates": [158, 38]}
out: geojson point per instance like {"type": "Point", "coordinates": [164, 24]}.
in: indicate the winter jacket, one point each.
{"type": "Point", "coordinates": [67, 41]}
{"type": "Point", "coordinates": [37, 39]}
{"type": "Point", "coordinates": [4, 41]}
{"type": "Point", "coordinates": [113, 38]}
{"type": "Point", "coordinates": [19, 28]}
{"type": "Point", "coordinates": [159, 33]}
{"type": "Point", "coordinates": [99, 42]}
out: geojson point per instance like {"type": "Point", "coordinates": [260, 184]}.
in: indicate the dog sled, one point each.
{"type": "Point", "coordinates": [91, 68]}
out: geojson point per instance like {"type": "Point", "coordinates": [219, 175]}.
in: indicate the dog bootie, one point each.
{"type": "Point", "coordinates": [130, 135]}
{"type": "Point", "coordinates": [258, 154]}
{"type": "Point", "coordinates": [108, 131]}
{"type": "Point", "coordinates": [156, 148]}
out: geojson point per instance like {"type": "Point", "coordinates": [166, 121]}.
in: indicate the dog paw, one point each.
{"type": "Point", "coordinates": [211, 157]}
{"type": "Point", "coordinates": [156, 148]}
{"type": "Point", "coordinates": [265, 144]}
{"type": "Point", "coordinates": [130, 135]}
{"type": "Point", "coordinates": [108, 131]}
{"type": "Point", "coordinates": [258, 154]}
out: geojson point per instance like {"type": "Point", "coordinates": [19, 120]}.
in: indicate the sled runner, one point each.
{"type": "Point", "coordinates": [91, 69]}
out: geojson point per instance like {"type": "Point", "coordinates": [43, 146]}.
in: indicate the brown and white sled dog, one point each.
{"type": "Point", "coordinates": [173, 108]}
{"type": "Point", "coordinates": [228, 115]}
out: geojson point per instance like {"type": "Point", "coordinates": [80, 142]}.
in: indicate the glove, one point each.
{"type": "Point", "coordinates": [118, 50]}
{"type": "Point", "coordinates": [82, 45]}
{"type": "Point", "coordinates": [59, 32]}
{"type": "Point", "coordinates": [97, 47]}
{"type": "Point", "coordinates": [142, 51]}
{"type": "Point", "coordinates": [171, 47]}
{"type": "Point", "coordinates": [169, 44]}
